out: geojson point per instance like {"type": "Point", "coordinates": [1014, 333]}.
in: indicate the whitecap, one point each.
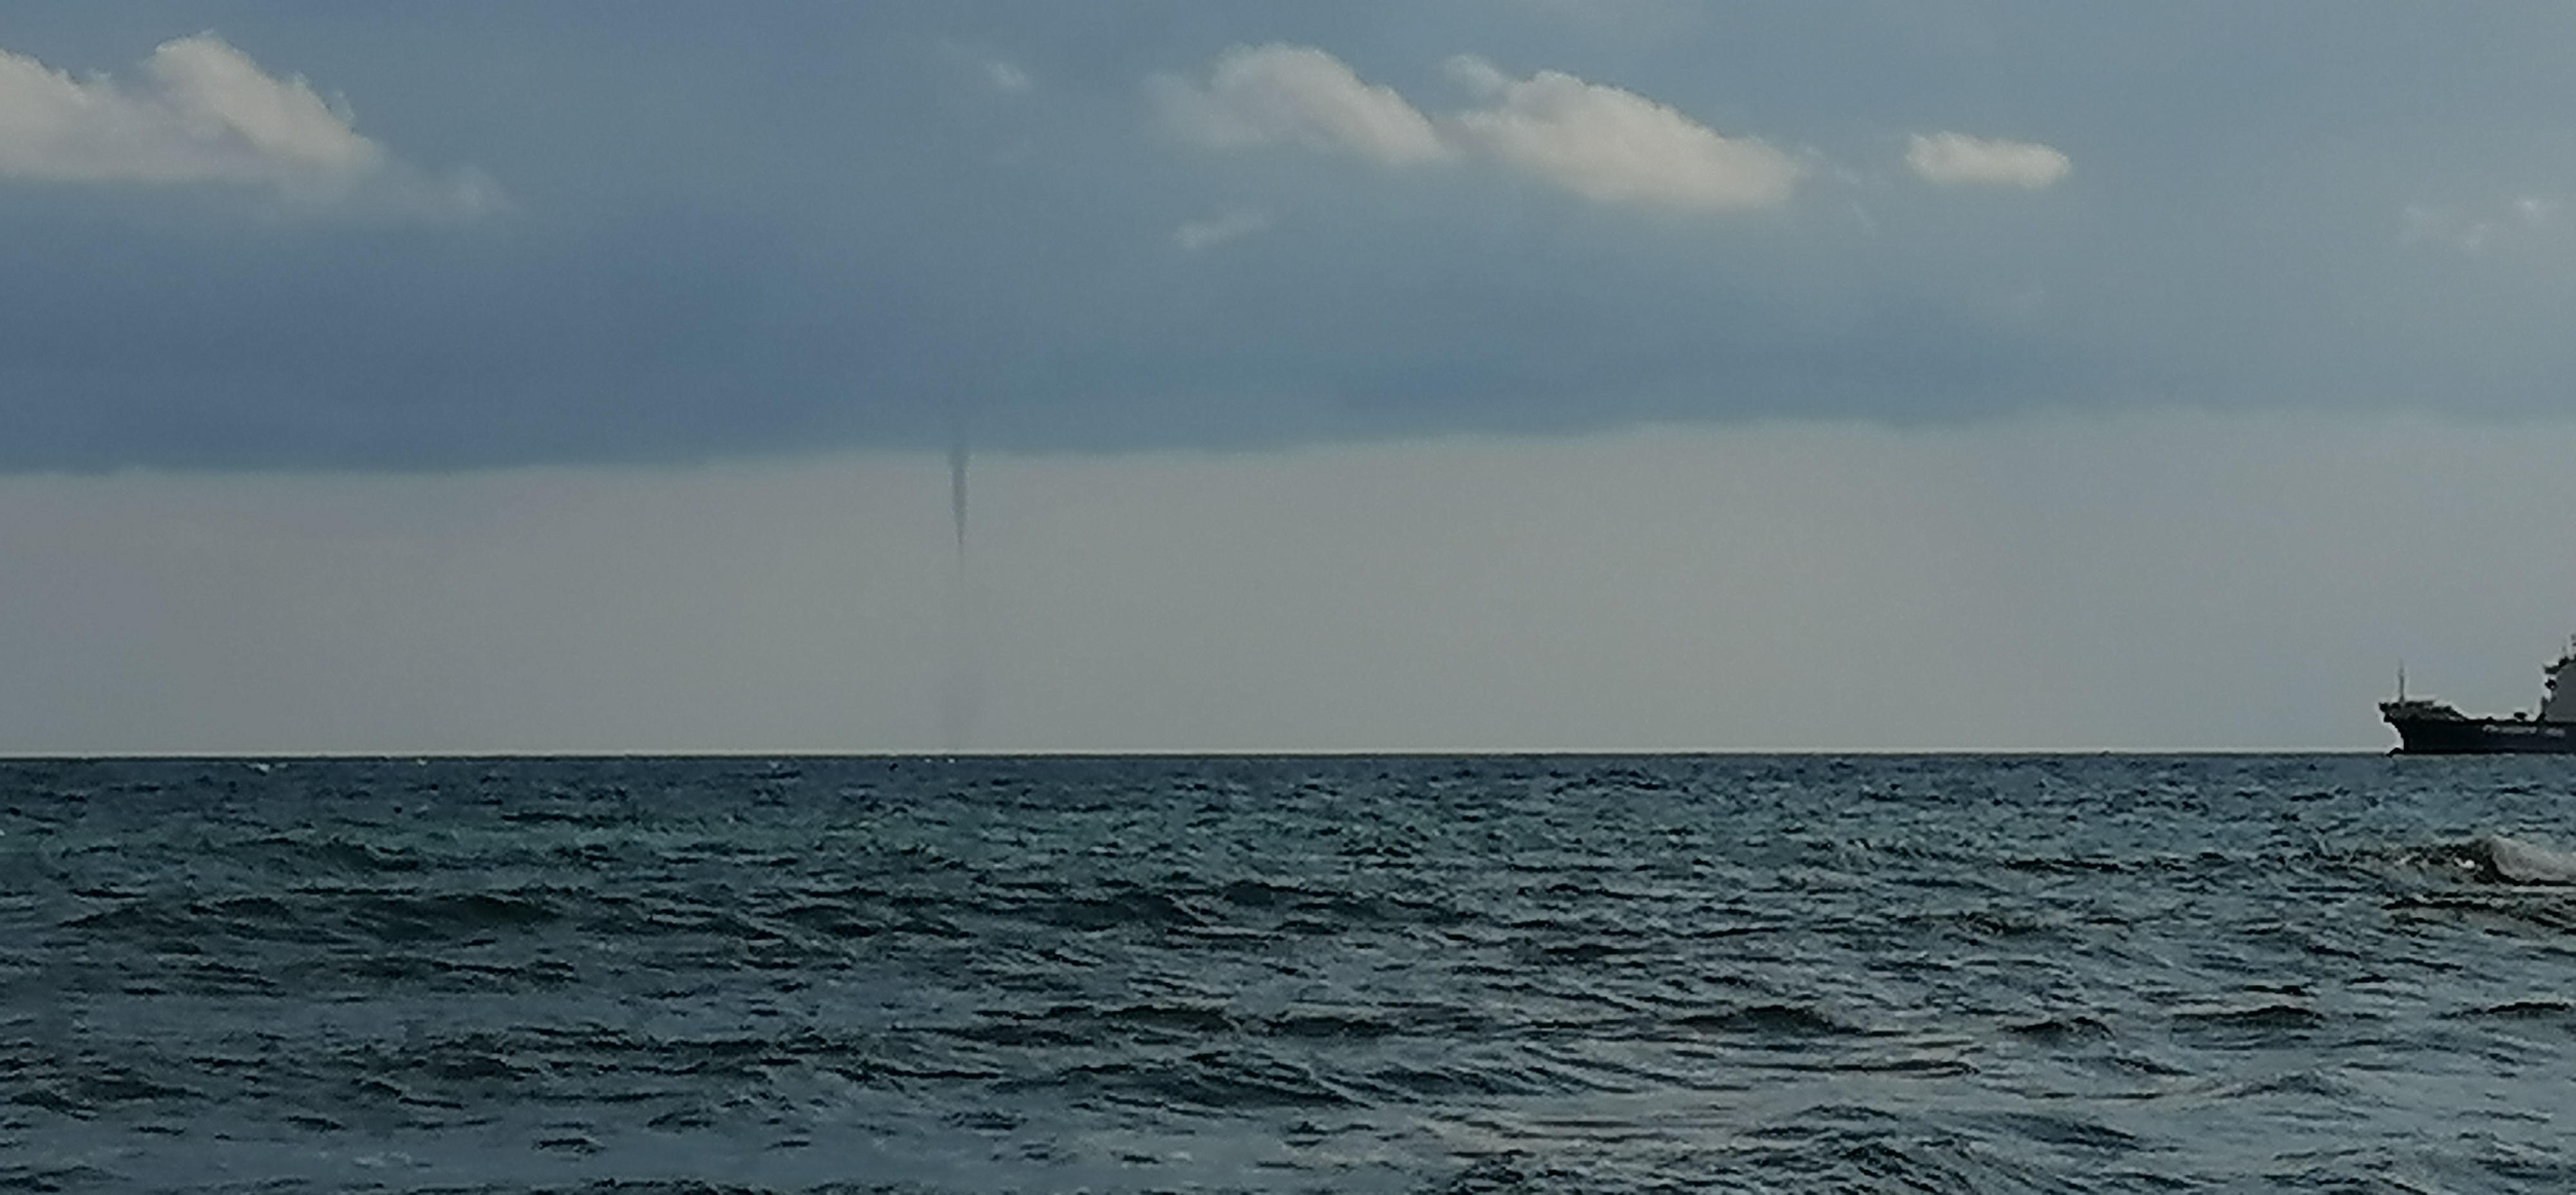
{"type": "Point", "coordinates": [2517, 862]}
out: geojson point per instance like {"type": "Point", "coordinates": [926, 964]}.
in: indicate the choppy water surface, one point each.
{"type": "Point", "coordinates": [1367, 974]}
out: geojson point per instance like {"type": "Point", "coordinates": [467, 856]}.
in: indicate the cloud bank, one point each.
{"type": "Point", "coordinates": [1598, 142]}
{"type": "Point", "coordinates": [811, 227]}
{"type": "Point", "coordinates": [205, 114]}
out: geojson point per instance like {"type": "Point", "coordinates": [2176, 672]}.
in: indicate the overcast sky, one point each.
{"type": "Point", "coordinates": [1519, 373]}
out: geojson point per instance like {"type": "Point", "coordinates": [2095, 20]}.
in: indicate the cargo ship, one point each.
{"type": "Point", "coordinates": [2428, 727]}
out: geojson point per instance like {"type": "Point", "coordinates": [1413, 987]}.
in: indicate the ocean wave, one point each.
{"type": "Point", "coordinates": [1219, 1081]}
{"type": "Point", "coordinates": [2554, 1011]}
{"type": "Point", "coordinates": [2513, 861]}
{"type": "Point", "coordinates": [2063, 1029]}
{"type": "Point", "coordinates": [1519, 975]}
{"type": "Point", "coordinates": [1770, 1021]}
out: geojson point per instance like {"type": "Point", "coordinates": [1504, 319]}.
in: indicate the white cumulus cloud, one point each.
{"type": "Point", "coordinates": [1602, 143]}
{"type": "Point", "coordinates": [1616, 146]}
{"type": "Point", "coordinates": [1265, 95]}
{"type": "Point", "coordinates": [1007, 76]}
{"type": "Point", "coordinates": [1959, 160]}
{"type": "Point", "coordinates": [204, 113]}
{"type": "Point", "coordinates": [2524, 220]}
{"type": "Point", "coordinates": [1202, 234]}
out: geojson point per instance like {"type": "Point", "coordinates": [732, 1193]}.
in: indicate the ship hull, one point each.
{"type": "Point", "coordinates": [2483, 736]}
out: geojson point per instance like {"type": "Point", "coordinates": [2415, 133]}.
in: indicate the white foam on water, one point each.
{"type": "Point", "coordinates": [2517, 862]}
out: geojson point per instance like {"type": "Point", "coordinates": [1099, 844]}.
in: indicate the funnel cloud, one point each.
{"type": "Point", "coordinates": [961, 692]}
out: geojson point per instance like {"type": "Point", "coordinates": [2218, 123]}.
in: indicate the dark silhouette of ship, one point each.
{"type": "Point", "coordinates": [2428, 727]}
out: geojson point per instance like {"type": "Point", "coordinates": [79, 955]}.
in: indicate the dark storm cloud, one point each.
{"type": "Point", "coordinates": [734, 231]}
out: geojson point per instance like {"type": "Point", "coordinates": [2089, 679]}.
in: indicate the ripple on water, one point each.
{"type": "Point", "coordinates": [1396, 974]}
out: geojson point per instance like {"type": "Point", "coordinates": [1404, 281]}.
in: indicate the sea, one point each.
{"type": "Point", "coordinates": [1948, 973]}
